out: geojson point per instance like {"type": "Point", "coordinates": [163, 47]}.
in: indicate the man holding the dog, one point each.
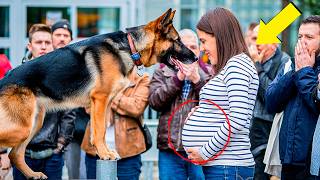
{"type": "Point", "coordinates": [45, 151]}
{"type": "Point", "coordinates": [168, 89]}
{"type": "Point", "coordinates": [292, 93]}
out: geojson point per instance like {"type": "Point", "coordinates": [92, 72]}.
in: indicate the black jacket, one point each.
{"type": "Point", "coordinates": [56, 125]}
{"type": "Point", "coordinates": [82, 118]}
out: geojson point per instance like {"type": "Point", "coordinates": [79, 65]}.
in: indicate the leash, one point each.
{"type": "Point", "coordinates": [135, 56]}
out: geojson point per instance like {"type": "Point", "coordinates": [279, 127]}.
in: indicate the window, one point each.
{"type": "Point", "coordinates": [93, 21]}
{"type": "Point", "coordinates": [189, 2]}
{"type": "Point", "coordinates": [45, 15]}
{"type": "Point", "coordinates": [189, 18]}
{"type": "Point", "coordinates": [4, 19]}
{"type": "Point", "coordinates": [5, 51]}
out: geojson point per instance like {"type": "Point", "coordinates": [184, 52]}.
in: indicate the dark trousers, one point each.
{"type": "Point", "coordinates": [127, 168]}
{"type": "Point", "coordinates": [259, 136]}
{"type": "Point", "coordinates": [292, 172]}
{"type": "Point", "coordinates": [50, 166]}
{"type": "Point", "coordinates": [259, 167]}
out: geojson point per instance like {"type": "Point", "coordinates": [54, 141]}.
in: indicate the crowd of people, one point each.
{"type": "Point", "coordinates": [249, 84]}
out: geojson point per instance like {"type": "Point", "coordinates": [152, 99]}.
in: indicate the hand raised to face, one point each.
{"type": "Point", "coordinates": [302, 57]}
{"type": "Point", "coordinates": [189, 71]}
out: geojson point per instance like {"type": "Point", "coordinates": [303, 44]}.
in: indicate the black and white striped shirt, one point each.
{"type": "Point", "coordinates": [234, 89]}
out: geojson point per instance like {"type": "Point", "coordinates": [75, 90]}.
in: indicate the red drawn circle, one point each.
{"type": "Point", "coordinates": [169, 136]}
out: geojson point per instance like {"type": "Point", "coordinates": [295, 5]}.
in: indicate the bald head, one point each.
{"type": "Point", "coordinates": [268, 48]}
{"type": "Point", "coordinates": [190, 39]}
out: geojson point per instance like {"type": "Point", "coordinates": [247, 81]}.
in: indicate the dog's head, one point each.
{"type": "Point", "coordinates": [162, 43]}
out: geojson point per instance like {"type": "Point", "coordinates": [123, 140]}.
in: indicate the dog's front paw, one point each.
{"type": "Point", "coordinates": [109, 155]}
{"type": "Point", "coordinates": [38, 176]}
{"type": "Point", "coordinates": [115, 154]}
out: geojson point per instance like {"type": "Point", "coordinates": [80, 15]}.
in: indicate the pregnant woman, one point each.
{"type": "Point", "coordinates": [234, 89]}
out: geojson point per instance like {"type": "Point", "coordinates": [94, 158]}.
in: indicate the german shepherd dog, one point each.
{"type": "Point", "coordinates": [85, 74]}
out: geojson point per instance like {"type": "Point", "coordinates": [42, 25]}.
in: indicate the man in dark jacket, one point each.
{"type": "Point", "coordinates": [168, 89]}
{"type": "Point", "coordinates": [269, 59]}
{"type": "Point", "coordinates": [292, 93]}
{"type": "Point", "coordinates": [45, 151]}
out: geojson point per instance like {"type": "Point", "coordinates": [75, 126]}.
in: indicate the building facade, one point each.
{"type": "Point", "coordinates": [88, 18]}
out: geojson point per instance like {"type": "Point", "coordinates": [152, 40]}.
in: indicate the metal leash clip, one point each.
{"type": "Point", "coordinates": [141, 70]}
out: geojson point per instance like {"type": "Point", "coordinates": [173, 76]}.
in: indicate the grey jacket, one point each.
{"type": "Point", "coordinates": [267, 72]}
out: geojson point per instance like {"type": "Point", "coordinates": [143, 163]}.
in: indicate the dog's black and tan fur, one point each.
{"type": "Point", "coordinates": [87, 73]}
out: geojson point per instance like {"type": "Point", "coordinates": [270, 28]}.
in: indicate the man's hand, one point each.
{"type": "Point", "coordinates": [255, 55]}
{"type": "Point", "coordinates": [59, 149]}
{"type": "Point", "coordinates": [194, 155]}
{"type": "Point", "coordinates": [87, 109]}
{"type": "Point", "coordinates": [302, 57]}
{"type": "Point", "coordinates": [180, 75]}
{"type": "Point", "coordinates": [5, 165]}
{"type": "Point", "coordinates": [4, 161]}
{"type": "Point", "coordinates": [192, 73]}
{"type": "Point", "coordinates": [116, 100]}
{"type": "Point", "coordinates": [189, 71]}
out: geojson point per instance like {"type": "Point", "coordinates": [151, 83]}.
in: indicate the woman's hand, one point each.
{"type": "Point", "coordinates": [194, 155]}
{"type": "Point", "coordinates": [189, 71]}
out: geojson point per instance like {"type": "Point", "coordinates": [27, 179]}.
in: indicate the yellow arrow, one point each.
{"type": "Point", "coordinates": [267, 33]}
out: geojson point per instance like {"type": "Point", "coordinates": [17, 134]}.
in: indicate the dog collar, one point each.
{"type": "Point", "coordinates": [135, 55]}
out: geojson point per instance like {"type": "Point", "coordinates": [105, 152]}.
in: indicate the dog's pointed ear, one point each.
{"type": "Point", "coordinates": [172, 14]}
{"type": "Point", "coordinates": [165, 20]}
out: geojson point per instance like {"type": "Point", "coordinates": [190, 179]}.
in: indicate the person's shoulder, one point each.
{"type": "Point", "coordinates": [285, 57]}
{"type": "Point", "coordinates": [164, 71]}
{"type": "Point", "coordinates": [241, 64]}
{"type": "Point", "coordinates": [240, 60]}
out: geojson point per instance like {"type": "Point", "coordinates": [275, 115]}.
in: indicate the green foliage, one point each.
{"type": "Point", "coordinates": [313, 6]}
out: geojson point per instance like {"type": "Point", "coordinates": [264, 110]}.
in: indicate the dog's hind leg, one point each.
{"type": "Point", "coordinates": [14, 128]}
{"type": "Point", "coordinates": [18, 109]}
{"type": "Point", "coordinates": [18, 152]}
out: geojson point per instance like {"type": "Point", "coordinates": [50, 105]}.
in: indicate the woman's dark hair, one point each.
{"type": "Point", "coordinates": [224, 26]}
